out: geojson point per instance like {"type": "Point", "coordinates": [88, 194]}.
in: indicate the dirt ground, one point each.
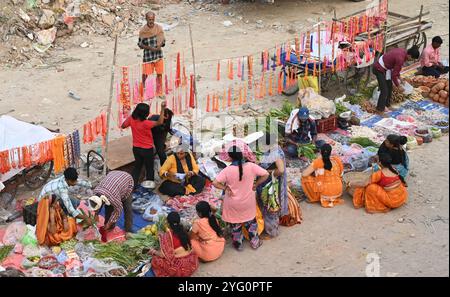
{"type": "Point", "coordinates": [323, 245]}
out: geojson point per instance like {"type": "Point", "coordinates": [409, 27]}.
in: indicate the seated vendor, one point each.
{"type": "Point", "coordinates": [60, 188]}
{"type": "Point", "coordinates": [53, 226]}
{"type": "Point", "coordinates": [180, 174]}
{"type": "Point", "coordinates": [430, 60]}
{"type": "Point", "coordinates": [393, 146]}
{"type": "Point", "coordinates": [300, 129]}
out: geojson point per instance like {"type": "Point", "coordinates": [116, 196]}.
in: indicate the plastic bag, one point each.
{"type": "Point", "coordinates": [152, 212]}
{"type": "Point", "coordinates": [140, 204]}
{"type": "Point", "coordinates": [359, 163]}
{"type": "Point", "coordinates": [31, 251]}
{"type": "Point", "coordinates": [27, 263]}
{"type": "Point", "coordinates": [313, 82]}
{"type": "Point", "coordinates": [89, 234]}
{"type": "Point", "coordinates": [99, 266]}
{"type": "Point", "coordinates": [14, 233]}
{"type": "Point", "coordinates": [375, 95]}
{"type": "Point", "coordinates": [316, 103]}
{"type": "Point", "coordinates": [408, 88]}
{"type": "Point", "coordinates": [29, 239]}
{"type": "Point", "coordinates": [411, 143]}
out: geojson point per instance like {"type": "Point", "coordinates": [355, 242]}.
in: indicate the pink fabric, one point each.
{"type": "Point", "coordinates": [14, 261]}
{"type": "Point", "coordinates": [183, 202]}
{"type": "Point", "coordinates": [240, 206]}
{"type": "Point", "coordinates": [245, 149]}
{"type": "Point", "coordinates": [430, 57]}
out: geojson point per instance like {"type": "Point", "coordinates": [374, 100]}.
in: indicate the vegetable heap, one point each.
{"type": "Point", "coordinates": [5, 250]}
{"type": "Point", "coordinates": [307, 150]}
{"type": "Point", "coordinates": [363, 141]}
{"type": "Point", "coordinates": [283, 113]}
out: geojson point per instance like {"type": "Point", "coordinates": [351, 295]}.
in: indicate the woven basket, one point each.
{"type": "Point", "coordinates": [357, 179]}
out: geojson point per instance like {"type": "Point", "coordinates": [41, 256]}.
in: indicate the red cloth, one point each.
{"type": "Point", "coordinates": [393, 60]}
{"type": "Point", "coordinates": [387, 180]}
{"type": "Point", "coordinates": [176, 241]}
{"type": "Point", "coordinates": [142, 132]}
{"type": "Point", "coordinates": [171, 265]}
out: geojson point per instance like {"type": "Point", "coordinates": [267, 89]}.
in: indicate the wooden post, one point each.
{"type": "Point", "coordinates": [385, 25]}
{"type": "Point", "coordinates": [320, 59]}
{"type": "Point", "coordinates": [195, 87]}
{"type": "Point", "coordinates": [108, 111]}
{"type": "Point", "coordinates": [420, 22]}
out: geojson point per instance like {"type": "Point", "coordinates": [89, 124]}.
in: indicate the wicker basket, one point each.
{"type": "Point", "coordinates": [357, 179]}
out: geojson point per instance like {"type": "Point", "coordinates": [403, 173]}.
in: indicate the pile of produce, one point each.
{"type": "Point", "coordinates": [434, 88]}
{"type": "Point", "coordinates": [5, 250]}
{"type": "Point", "coordinates": [283, 113]}
{"type": "Point", "coordinates": [362, 131]}
{"type": "Point", "coordinates": [439, 92]}
{"type": "Point", "coordinates": [418, 94]}
{"type": "Point", "coordinates": [307, 150]}
{"type": "Point", "coordinates": [420, 80]}
{"type": "Point", "coordinates": [397, 97]}
{"type": "Point", "coordinates": [368, 107]}
{"type": "Point", "coordinates": [363, 141]}
{"type": "Point", "coordinates": [340, 109]}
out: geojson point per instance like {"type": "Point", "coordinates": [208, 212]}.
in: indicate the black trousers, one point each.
{"type": "Point", "coordinates": [160, 147]}
{"type": "Point", "coordinates": [173, 189]}
{"type": "Point", "coordinates": [434, 71]}
{"type": "Point", "coordinates": [128, 214]}
{"type": "Point", "coordinates": [385, 88]}
{"type": "Point", "coordinates": [143, 157]}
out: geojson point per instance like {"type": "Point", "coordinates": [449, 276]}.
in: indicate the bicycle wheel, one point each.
{"type": "Point", "coordinates": [37, 176]}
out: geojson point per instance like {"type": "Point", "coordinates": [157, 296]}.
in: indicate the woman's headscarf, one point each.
{"type": "Point", "coordinates": [244, 148]}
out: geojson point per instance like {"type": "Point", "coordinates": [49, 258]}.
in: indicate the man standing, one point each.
{"type": "Point", "coordinates": [151, 40]}
{"type": "Point", "coordinates": [115, 192]}
{"type": "Point", "coordinates": [300, 129]}
{"type": "Point", "coordinates": [60, 188]}
{"type": "Point", "coordinates": [387, 70]}
{"type": "Point", "coordinates": [430, 60]}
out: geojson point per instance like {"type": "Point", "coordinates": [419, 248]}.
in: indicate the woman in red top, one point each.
{"type": "Point", "coordinates": [386, 190]}
{"type": "Point", "coordinates": [143, 146]}
{"type": "Point", "coordinates": [175, 257]}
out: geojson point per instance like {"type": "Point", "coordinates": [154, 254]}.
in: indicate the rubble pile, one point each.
{"type": "Point", "coordinates": [31, 28]}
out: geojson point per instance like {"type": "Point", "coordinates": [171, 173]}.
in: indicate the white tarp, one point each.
{"type": "Point", "coordinates": [15, 133]}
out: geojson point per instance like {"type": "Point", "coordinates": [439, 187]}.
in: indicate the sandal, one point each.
{"type": "Point", "coordinates": [238, 246]}
{"type": "Point", "coordinates": [257, 245]}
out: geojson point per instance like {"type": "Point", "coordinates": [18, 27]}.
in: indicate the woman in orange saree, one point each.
{"type": "Point", "coordinates": [175, 258]}
{"type": "Point", "coordinates": [326, 184]}
{"type": "Point", "coordinates": [386, 190]}
{"type": "Point", "coordinates": [52, 225]}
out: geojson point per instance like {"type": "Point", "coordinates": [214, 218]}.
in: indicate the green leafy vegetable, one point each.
{"type": "Point", "coordinates": [307, 150]}
{"type": "Point", "coordinates": [5, 250]}
{"type": "Point", "coordinates": [363, 141]}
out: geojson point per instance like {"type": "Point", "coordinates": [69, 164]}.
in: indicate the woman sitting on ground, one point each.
{"type": "Point", "coordinates": [180, 173]}
{"type": "Point", "coordinates": [175, 257]}
{"type": "Point", "coordinates": [326, 184]}
{"type": "Point", "coordinates": [239, 203]}
{"type": "Point", "coordinates": [206, 235]}
{"type": "Point", "coordinates": [386, 190]}
{"type": "Point", "coordinates": [53, 226]}
{"type": "Point", "coordinates": [273, 160]}
{"type": "Point", "coordinates": [393, 146]}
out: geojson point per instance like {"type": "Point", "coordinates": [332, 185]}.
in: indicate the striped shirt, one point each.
{"type": "Point", "coordinates": [117, 187]}
{"type": "Point", "coordinates": [60, 188]}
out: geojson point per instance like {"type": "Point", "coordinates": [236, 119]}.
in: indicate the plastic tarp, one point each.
{"type": "Point", "coordinates": [15, 133]}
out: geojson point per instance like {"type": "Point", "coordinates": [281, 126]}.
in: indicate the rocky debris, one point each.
{"type": "Point", "coordinates": [47, 19]}
{"type": "Point", "coordinates": [32, 30]}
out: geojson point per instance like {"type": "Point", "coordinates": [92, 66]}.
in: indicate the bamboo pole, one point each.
{"type": "Point", "coordinates": [108, 111]}
{"type": "Point", "coordinates": [320, 58]}
{"type": "Point", "coordinates": [197, 109]}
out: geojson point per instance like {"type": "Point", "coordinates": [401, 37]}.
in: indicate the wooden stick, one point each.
{"type": "Point", "coordinates": [420, 21]}
{"type": "Point", "coordinates": [195, 84]}
{"type": "Point", "coordinates": [108, 111]}
{"type": "Point", "coordinates": [320, 58]}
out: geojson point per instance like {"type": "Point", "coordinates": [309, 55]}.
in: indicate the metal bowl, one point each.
{"type": "Point", "coordinates": [148, 184]}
